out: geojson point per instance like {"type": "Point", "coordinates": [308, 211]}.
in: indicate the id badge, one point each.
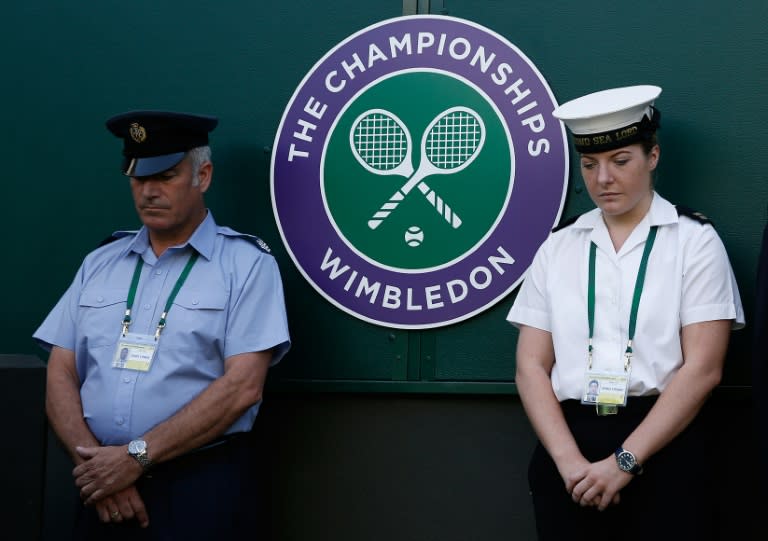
{"type": "Point", "coordinates": [135, 352]}
{"type": "Point", "coordinates": [605, 388]}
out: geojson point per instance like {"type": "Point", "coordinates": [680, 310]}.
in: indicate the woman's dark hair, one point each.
{"type": "Point", "coordinates": [649, 143]}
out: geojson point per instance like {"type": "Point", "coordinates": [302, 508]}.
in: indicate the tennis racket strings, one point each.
{"type": "Point", "coordinates": [380, 141]}
{"type": "Point", "coordinates": [382, 145]}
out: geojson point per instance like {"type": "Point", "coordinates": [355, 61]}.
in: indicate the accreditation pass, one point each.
{"type": "Point", "coordinates": [135, 352]}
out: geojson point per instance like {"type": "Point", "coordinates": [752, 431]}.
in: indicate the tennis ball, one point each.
{"type": "Point", "coordinates": [414, 236]}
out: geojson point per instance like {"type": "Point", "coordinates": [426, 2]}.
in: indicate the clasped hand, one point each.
{"type": "Point", "coordinates": [106, 480]}
{"type": "Point", "coordinates": [596, 484]}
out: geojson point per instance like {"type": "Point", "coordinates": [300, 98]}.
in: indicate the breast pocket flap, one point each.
{"type": "Point", "coordinates": [103, 297]}
{"type": "Point", "coordinates": [198, 299]}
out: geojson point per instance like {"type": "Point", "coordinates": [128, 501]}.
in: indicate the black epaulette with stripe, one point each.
{"type": "Point", "coordinates": [566, 223]}
{"type": "Point", "coordinates": [253, 239]}
{"type": "Point", "coordinates": [260, 244]}
{"type": "Point", "coordinates": [692, 214]}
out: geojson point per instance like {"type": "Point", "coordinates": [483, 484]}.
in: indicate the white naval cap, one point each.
{"type": "Point", "coordinates": [611, 118]}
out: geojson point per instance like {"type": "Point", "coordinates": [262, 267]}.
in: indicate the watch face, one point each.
{"type": "Point", "coordinates": [137, 447]}
{"type": "Point", "coordinates": [626, 460]}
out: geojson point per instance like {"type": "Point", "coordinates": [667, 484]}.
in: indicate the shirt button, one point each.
{"type": "Point", "coordinates": [147, 306]}
{"type": "Point", "coordinates": [119, 421]}
{"type": "Point", "coordinates": [195, 302]}
{"type": "Point", "coordinates": [158, 272]}
{"type": "Point", "coordinates": [126, 379]}
{"type": "Point", "coordinates": [100, 299]}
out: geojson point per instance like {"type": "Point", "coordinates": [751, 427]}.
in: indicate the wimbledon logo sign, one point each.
{"type": "Point", "coordinates": [416, 171]}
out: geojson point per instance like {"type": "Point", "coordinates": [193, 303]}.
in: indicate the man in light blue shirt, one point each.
{"type": "Point", "coordinates": [160, 348]}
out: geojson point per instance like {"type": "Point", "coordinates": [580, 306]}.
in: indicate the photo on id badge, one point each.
{"type": "Point", "coordinates": [593, 389]}
{"type": "Point", "coordinates": [605, 388]}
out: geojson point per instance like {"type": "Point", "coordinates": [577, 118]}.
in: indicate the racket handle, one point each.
{"type": "Point", "coordinates": [435, 200]}
{"type": "Point", "coordinates": [440, 206]}
{"type": "Point", "coordinates": [386, 209]}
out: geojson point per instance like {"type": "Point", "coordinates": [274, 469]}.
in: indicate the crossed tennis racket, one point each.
{"type": "Point", "coordinates": [382, 145]}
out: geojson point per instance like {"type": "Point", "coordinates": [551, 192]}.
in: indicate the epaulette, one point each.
{"type": "Point", "coordinates": [263, 246]}
{"type": "Point", "coordinates": [693, 214]}
{"type": "Point", "coordinates": [253, 239]}
{"type": "Point", "coordinates": [114, 236]}
{"type": "Point", "coordinates": [566, 223]}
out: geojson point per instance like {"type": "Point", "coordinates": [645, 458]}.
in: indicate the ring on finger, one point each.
{"type": "Point", "coordinates": [115, 515]}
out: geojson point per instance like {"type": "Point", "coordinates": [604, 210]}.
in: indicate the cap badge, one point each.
{"type": "Point", "coordinates": [138, 133]}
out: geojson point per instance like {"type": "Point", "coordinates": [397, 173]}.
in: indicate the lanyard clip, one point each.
{"type": "Point", "coordinates": [160, 325]}
{"type": "Point", "coordinates": [126, 321]}
{"type": "Point", "coordinates": [628, 356]}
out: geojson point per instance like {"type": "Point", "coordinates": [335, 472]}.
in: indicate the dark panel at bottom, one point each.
{"type": "Point", "coordinates": [382, 468]}
{"type": "Point", "coordinates": [22, 447]}
{"type": "Point", "coordinates": [386, 467]}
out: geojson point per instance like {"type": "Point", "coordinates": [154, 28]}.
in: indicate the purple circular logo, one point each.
{"type": "Point", "coordinates": [417, 169]}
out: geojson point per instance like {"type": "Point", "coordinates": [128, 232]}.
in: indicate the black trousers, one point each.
{"type": "Point", "coordinates": [675, 498]}
{"type": "Point", "coordinates": [205, 495]}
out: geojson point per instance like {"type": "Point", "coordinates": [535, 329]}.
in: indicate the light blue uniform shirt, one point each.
{"type": "Point", "coordinates": [232, 302]}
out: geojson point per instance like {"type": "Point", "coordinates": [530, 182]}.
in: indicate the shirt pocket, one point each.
{"type": "Point", "coordinates": [101, 313]}
{"type": "Point", "coordinates": [197, 321]}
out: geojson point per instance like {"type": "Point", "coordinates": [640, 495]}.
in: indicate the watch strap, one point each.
{"type": "Point", "coordinates": [636, 468]}
{"type": "Point", "coordinates": [142, 459]}
{"type": "Point", "coordinates": [140, 456]}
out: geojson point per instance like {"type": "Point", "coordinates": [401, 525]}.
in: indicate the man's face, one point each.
{"type": "Point", "coordinates": [170, 202]}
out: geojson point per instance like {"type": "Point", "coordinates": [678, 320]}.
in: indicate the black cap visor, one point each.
{"type": "Point", "coordinates": [144, 167]}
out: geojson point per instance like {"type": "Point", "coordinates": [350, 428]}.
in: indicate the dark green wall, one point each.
{"type": "Point", "coordinates": [68, 66]}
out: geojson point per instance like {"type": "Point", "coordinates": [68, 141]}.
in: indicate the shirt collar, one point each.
{"type": "Point", "coordinates": [662, 212]}
{"type": "Point", "coordinates": [202, 240]}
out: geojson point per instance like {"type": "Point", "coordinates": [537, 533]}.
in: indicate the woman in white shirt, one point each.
{"type": "Point", "coordinates": [639, 296]}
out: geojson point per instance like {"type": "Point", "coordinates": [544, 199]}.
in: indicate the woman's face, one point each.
{"type": "Point", "coordinates": [619, 180]}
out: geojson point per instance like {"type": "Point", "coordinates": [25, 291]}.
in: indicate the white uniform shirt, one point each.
{"type": "Point", "coordinates": [689, 280]}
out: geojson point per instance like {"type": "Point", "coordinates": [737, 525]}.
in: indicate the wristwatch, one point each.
{"type": "Point", "coordinates": [627, 462]}
{"type": "Point", "coordinates": [138, 450]}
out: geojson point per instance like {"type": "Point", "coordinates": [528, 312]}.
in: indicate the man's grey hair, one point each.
{"type": "Point", "coordinates": [198, 156]}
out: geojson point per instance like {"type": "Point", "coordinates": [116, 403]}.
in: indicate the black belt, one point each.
{"type": "Point", "coordinates": [222, 440]}
{"type": "Point", "coordinates": [199, 455]}
{"type": "Point", "coordinates": [636, 405]}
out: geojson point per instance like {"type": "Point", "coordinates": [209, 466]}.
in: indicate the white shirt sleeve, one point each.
{"type": "Point", "coordinates": [706, 295]}
{"type": "Point", "coordinates": [531, 307]}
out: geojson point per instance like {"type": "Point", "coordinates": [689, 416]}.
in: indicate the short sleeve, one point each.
{"type": "Point", "coordinates": [257, 320]}
{"type": "Point", "coordinates": [58, 328]}
{"type": "Point", "coordinates": [531, 306]}
{"type": "Point", "coordinates": [710, 291]}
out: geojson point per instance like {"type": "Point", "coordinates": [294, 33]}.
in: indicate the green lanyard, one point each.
{"type": "Point", "coordinates": [635, 298]}
{"type": "Point", "coordinates": [135, 285]}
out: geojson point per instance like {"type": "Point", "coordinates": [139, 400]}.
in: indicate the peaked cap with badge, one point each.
{"type": "Point", "coordinates": [154, 141]}
{"type": "Point", "coordinates": [612, 118]}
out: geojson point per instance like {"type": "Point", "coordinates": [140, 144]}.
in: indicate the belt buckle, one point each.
{"type": "Point", "coordinates": [606, 409]}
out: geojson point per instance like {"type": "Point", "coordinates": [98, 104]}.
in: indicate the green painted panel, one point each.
{"type": "Point", "coordinates": [712, 66]}
{"type": "Point", "coordinates": [67, 67]}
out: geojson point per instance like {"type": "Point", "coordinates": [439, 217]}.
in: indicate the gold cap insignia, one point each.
{"type": "Point", "coordinates": [138, 133]}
